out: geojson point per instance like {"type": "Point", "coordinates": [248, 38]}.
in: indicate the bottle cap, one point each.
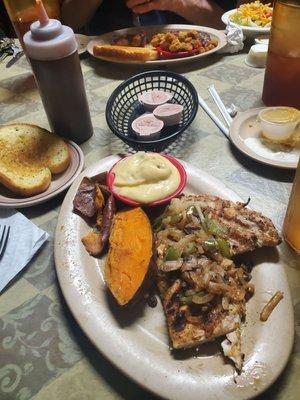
{"type": "Point", "coordinates": [48, 39]}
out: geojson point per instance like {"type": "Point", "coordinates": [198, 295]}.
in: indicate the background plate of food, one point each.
{"type": "Point", "coordinates": [165, 44]}
{"type": "Point", "coordinates": [135, 337]}
{"type": "Point", "coordinates": [253, 18]}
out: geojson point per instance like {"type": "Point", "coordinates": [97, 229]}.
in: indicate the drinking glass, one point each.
{"type": "Point", "coordinates": [282, 75]}
{"type": "Point", "coordinates": [23, 12]}
{"type": "Point", "coordinates": [291, 227]}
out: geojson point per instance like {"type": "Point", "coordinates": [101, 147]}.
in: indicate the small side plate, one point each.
{"type": "Point", "coordinates": [245, 133]}
{"type": "Point", "coordinates": [59, 183]}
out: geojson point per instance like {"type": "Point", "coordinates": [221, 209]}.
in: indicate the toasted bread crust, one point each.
{"type": "Point", "coordinates": [28, 156]}
{"type": "Point", "coordinates": [125, 53]}
{"type": "Point", "coordinates": [26, 191]}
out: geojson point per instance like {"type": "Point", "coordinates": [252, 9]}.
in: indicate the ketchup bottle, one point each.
{"type": "Point", "coordinates": [52, 51]}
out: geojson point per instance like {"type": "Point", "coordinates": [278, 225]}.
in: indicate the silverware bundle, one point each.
{"type": "Point", "coordinates": [8, 47]}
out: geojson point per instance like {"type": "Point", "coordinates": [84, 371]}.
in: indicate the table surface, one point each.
{"type": "Point", "coordinates": [43, 352]}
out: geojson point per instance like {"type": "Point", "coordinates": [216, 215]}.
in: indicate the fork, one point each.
{"type": "Point", "coordinates": [137, 23]}
{"type": "Point", "coordinates": [17, 53]}
{"type": "Point", "coordinates": [4, 234]}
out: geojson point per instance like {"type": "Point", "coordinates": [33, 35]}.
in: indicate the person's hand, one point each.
{"type": "Point", "coordinates": [144, 6]}
{"type": "Point", "coordinates": [199, 12]}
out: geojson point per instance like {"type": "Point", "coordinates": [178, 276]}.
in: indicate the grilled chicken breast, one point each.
{"type": "Point", "coordinates": [244, 229]}
{"type": "Point", "coordinates": [203, 300]}
{"type": "Point", "coordinates": [203, 291]}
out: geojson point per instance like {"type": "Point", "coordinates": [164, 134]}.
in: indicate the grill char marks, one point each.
{"type": "Point", "coordinates": [187, 327]}
{"type": "Point", "coordinates": [246, 229]}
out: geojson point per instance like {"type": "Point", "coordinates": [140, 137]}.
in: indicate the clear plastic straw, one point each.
{"type": "Point", "coordinates": [213, 117]}
{"type": "Point", "coordinates": [220, 104]}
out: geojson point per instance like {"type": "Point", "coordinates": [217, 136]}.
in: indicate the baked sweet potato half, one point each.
{"type": "Point", "coordinates": [129, 254]}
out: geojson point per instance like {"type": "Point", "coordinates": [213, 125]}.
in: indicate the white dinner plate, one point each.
{"type": "Point", "coordinates": [136, 340]}
{"type": "Point", "coordinates": [107, 38]}
{"type": "Point", "coordinates": [59, 183]}
{"type": "Point", "coordinates": [245, 133]}
{"type": "Point", "coordinates": [249, 31]}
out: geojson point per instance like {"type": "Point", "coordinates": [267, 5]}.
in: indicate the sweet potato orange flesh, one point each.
{"type": "Point", "coordinates": [99, 198]}
{"type": "Point", "coordinates": [129, 254]}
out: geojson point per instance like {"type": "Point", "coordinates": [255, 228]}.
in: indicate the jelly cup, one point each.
{"type": "Point", "coordinates": [149, 104]}
{"type": "Point", "coordinates": [126, 200]}
{"type": "Point", "coordinates": [278, 131]}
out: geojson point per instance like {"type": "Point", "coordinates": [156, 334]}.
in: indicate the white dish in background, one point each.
{"type": "Point", "coordinates": [136, 340]}
{"type": "Point", "coordinates": [59, 183]}
{"type": "Point", "coordinates": [82, 42]}
{"type": "Point", "coordinates": [250, 32]}
{"type": "Point", "coordinates": [245, 133]}
{"type": "Point", "coordinates": [107, 38]}
{"type": "Point", "coordinates": [257, 56]}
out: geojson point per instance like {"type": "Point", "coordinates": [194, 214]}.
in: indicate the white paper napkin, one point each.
{"type": "Point", "coordinates": [24, 240]}
{"type": "Point", "coordinates": [235, 39]}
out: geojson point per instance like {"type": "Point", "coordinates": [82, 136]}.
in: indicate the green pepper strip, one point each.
{"type": "Point", "coordinates": [158, 223]}
{"type": "Point", "coordinates": [218, 244]}
{"type": "Point", "coordinates": [172, 254]}
{"type": "Point", "coordinates": [214, 227]}
{"type": "Point", "coordinates": [210, 244]}
{"type": "Point", "coordinates": [224, 247]}
{"type": "Point", "coordinates": [186, 300]}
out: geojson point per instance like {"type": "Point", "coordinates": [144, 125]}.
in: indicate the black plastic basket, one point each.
{"type": "Point", "coordinates": [123, 107]}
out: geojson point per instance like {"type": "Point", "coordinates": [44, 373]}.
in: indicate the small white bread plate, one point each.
{"type": "Point", "coordinates": [136, 340]}
{"type": "Point", "coordinates": [245, 133]}
{"type": "Point", "coordinates": [59, 183]}
{"type": "Point", "coordinates": [108, 38]}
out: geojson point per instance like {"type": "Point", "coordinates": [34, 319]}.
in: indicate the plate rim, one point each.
{"type": "Point", "coordinates": [218, 33]}
{"type": "Point", "coordinates": [26, 202]}
{"type": "Point", "coordinates": [86, 38]}
{"type": "Point", "coordinates": [248, 29]}
{"type": "Point", "coordinates": [239, 144]}
{"type": "Point", "coordinates": [115, 360]}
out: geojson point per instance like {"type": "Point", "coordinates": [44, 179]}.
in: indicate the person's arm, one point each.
{"type": "Point", "coordinates": [76, 13]}
{"type": "Point", "coordinates": [200, 12]}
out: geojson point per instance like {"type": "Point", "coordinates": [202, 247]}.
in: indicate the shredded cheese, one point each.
{"type": "Point", "coordinates": [253, 14]}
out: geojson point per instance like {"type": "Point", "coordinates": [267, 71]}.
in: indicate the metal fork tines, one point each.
{"type": "Point", "coordinates": [17, 54]}
{"type": "Point", "coordinates": [137, 23]}
{"type": "Point", "coordinates": [4, 234]}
